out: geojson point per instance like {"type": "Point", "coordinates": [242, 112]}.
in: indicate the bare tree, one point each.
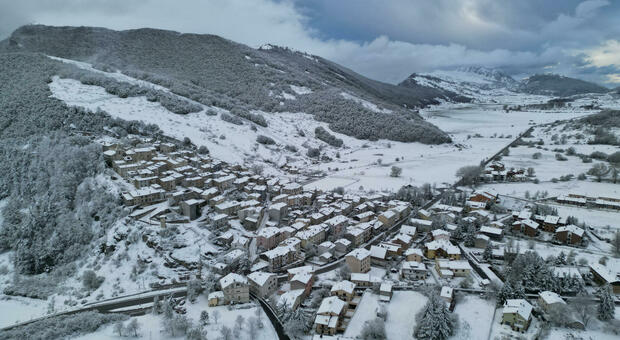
{"type": "Point", "coordinates": [133, 326]}
{"type": "Point", "coordinates": [253, 328]}
{"type": "Point", "coordinates": [216, 316]}
{"type": "Point", "coordinates": [584, 310]}
{"type": "Point", "coordinates": [599, 171]}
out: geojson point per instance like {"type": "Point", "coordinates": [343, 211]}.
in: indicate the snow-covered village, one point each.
{"type": "Point", "coordinates": [211, 185]}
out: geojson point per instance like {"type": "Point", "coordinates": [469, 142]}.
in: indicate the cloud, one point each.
{"type": "Point", "coordinates": [384, 40]}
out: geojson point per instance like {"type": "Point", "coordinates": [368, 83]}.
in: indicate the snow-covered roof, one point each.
{"type": "Point", "coordinates": [331, 305]}
{"type": "Point", "coordinates": [518, 306]}
{"type": "Point", "coordinates": [345, 285]}
{"type": "Point", "coordinates": [378, 252]}
{"type": "Point", "coordinates": [359, 253]}
{"type": "Point", "coordinates": [571, 229]}
{"type": "Point", "coordinates": [260, 278]}
{"type": "Point", "coordinates": [420, 222]}
{"type": "Point", "coordinates": [232, 278]}
{"type": "Point", "coordinates": [604, 272]}
{"type": "Point", "coordinates": [216, 295]}
{"type": "Point", "coordinates": [302, 277]}
{"type": "Point", "coordinates": [491, 230]}
{"type": "Point", "coordinates": [447, 292]}
{"type": "Point", "coordinates": [413, 265]}
{"type": "Point", "coordinates": [550, 297]}
{"type": "Point", "coordinates": [408, 229]}
{"type": "Point", "coordinates": [413, 251]}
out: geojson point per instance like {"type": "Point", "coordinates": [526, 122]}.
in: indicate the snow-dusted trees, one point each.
{"type": "Point", "coordinates": [396, 171]}
{"type": "Point", "coordinates": [298, 323]}
{"type": "Point", "coordinates": [62, 327]}
{"type": "Point", "coordinates": [324, 135]}
{"type": "Point", "coordinates": [599, 170]}
{"type": "Point", "coordinates": [606, 307]}
{"type": "Point", "coordinates": [470, 175]}
{"type": "Point", "coordinates": [374, 330]}
{"type": "Point", "coordinates": [510, 291]}
{"type": "Point", "coordinates": [194, 288]}
{"type": "Point", "coordinates": [261, 139]}
{"type": "Point", "coordinates": [434, 322]}
{"type": "Point", "coordinates": [91, 281]}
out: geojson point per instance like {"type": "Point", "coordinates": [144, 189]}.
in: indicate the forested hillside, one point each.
{"type": "Point", "coordinates": [218, 72]}
{"type": "Point", "coordinates": [49, 174]}
{"type": "Point", "coordinates": [556, 85]}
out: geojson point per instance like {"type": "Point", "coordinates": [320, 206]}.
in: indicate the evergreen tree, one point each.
{"type": "Point", "coordinates": [434, 321]}
{"type": "Point", "coordinates": [606, 306]}
{"type": "Point", "coordinates": [488, 252]}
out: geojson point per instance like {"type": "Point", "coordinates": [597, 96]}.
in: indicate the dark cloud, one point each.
{"type": "Point", "coordinates": [386, 40]}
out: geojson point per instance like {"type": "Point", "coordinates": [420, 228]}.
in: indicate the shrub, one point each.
{"type": "Point", "coordinates": [536, 155]}
{"type": "Point", "coordinates": [91, 281]}
{"type": "Point", "coordinates": [231, 119]}
{"type": "Point", "coordinates": [291, 148]}
{"type": "Point", "coordinates": [265, 140]}
{"type": "Point", "coordinates": [560, 157]}
{"type": "Point", "coordinates": [313, 152]}
{"type": "Point", "coordinates": [570, 151]}
{"type": "Point", "coordinates": [614, 157]}
{"type": "Point", "coordinates": [395, 171]}
{"type": "Point", "coordinates": [598, 155]}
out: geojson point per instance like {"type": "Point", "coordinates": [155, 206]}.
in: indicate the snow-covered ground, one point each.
{"type": "Point", "coordinates": [151, 325]}
{"type": "Point", "coordinates": [15, 309]}
{"type": "Point", "coordinates": [475, 316]}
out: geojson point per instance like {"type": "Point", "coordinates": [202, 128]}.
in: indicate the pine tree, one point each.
{"type": "Point", "coordinates": [488, 252]}
{"type": "Point", "coordinates": [606, 306]}
{"type": "Point", "coordinates": [435, 321]}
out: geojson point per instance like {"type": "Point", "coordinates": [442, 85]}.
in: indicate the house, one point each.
{"type": "Point", "coordinates": [570, 234]}
{"type": "Point", "coordinates": [447, 268]}
{"type": "Point", "coordinates": [385, 291]}
{"type": "Point", "coordinates": [378, 256]}
{"type": "Point", "coordinates": [603, 275]}
{"type": "Point", "coordinates": [277, 211]}
{"type": "Point", "coordinates": [550, 223]}
{"type": "Point", "coordinates": [518, 314]}
{"type": "Point", "coordinates": [413, 270]}
{"type": "Point", "coordinates": [342, 245]}
{"type": "Point", "coordinates": [481, 241]}
{"type": "Point", "coordinates": [280, 256]}
{"type": "Point", "coordinates": [408, 230]}
{"type": "Point", "coordinates": [549, 300]}
{"type": "Point", "coordinates": [420, 224]}
{"type": "Point", "coordinates": [484, 196]}
{"type": "Point", "coordinates": [442, 248]}
{"type": "Point", "coordinates": [235, 288]}
{"type": "Point", "coordinates": [345, 290]}
{"type": "Point", "coordinates": [492, 232]}
{"type": "Point", "coordinates": [268, 237]}
{"type": "Point", "coordinates": [440, 234]}
{"type": "Point", "coordinates": [414, 254]}
{"type": "Point", "coordinates": [291, 299]}
{"type": "Point", "coordinates": [302, 281]}
{"type": "Point", "coordinates": [388, 218]}
{"type": "Point", "coordinates": [216, 298]}
{"type": "Point", "coordinates": [330, 315]}
{"type": "Point", "coordinates": [527, 227]}
{"type": "Point", "coordinates": [326, 247]}
{"type": "Point", "coordinates": [365, 280]}
{"type": "Point", "coordinates": [263, 284]}
{"type": "Point", "coordinates": [358, 260]}
{"type": "Point", "coordinates": [190, 208]}
{"type": "Point", "coordinates": [447, 294]}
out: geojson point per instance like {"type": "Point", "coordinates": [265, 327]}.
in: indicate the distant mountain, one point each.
{"type": "Point", "coordinates": [215, 71]}
{"type": "Point", "coordinates": [557, 85]}
{"type": "Point", "coordinates": [471, 81]}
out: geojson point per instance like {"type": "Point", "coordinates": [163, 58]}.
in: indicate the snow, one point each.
{"type": "Point", "coordinates": [17, 309]}
{"type": "Point", "coordinates": [475, 316]}
{"type": "Point", "coordinates": [301, 89]}
{"type": "Point", "coordinates": [151, 325]}
{"type": "Point", "coordinates": [364, 103]}
{"type": "Point", "coordinates": [401, 312]}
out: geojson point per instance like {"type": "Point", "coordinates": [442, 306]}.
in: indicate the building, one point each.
{"type": "Point", "coordinates": [302, 281]}
{"type": "Point", "coordinates": [517, 313]}
{"type": "Point", "coordinates": [447, 268]}
{"type": "Point", "coordinates": [329, 316]}
{"type": "Point", "coordinates": [263, 284]}
{"type": "Point", "coordinates": [216, 298]}
{"type": "Point", "coordinates": [603, 275]}
{"type": "Point", "coordinates": [385, 291]}
{"type": "Point", "coordinates": [414, 254]}
{"type": "Point", "coordinates": [358, 260]}
{"type": "Point", "coordinates": [442, 248]}
{"type": "Point", "coordinates": [345, 290]}
{"type": "Point", "coordinates": [378, 256]}
{"type": "Point", "coordinates": [447, 294]}
{"type": "Point", "coordinates": [235, 288]}
{"type": "Point", "coordinates": [570, 234]}
{"type": "Point", "coordinates": [413, 270]}
{"type": "Point", "coordinates": [527, 227]}
{"type": "Point", "coordinates": [549, 300]}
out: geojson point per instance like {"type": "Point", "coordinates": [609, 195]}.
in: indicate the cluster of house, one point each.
{"type": "Point", "coordinates": [583, 200]}
{"type": "Point", "coordinates": [497, 172]}
{"type": "Point", "coordinates": [530, 224]}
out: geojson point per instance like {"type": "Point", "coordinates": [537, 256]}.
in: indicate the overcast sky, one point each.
{"type": "Point", "coordinates": [382, 39]}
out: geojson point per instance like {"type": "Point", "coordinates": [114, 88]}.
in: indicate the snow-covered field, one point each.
{"type": "Point", "coordinates": [15, 309]}
{"type": "Point", "coordinates": [475, 316]}
{"type": "Point", "coordinates": [401, 312]}
{"type": "Point", "coordinates": [151, 325]}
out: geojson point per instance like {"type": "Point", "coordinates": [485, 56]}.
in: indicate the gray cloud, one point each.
{"type": "Point", "coordinates": [385, 40]}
